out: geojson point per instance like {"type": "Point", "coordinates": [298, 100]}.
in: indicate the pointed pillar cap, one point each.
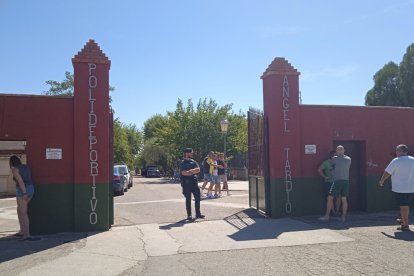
{"type": "Point", "coordinates": [280, 66]}
{"type": "Point", "coordinates": [91, 53]}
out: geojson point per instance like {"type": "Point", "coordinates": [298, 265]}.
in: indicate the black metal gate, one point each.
{"type": "Point", "coordinates": [257, 160]}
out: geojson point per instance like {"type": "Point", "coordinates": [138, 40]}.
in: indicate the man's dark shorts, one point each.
{"type": "Point", "coordinates": [340, 188]}
{"type": "Point", "coordinates": [326, 188]}
{"type": "Point", "coordinates": [404, 199]}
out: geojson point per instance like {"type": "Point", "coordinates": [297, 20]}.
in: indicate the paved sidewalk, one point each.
{"type": "Point", "coordinates": [124, 250]}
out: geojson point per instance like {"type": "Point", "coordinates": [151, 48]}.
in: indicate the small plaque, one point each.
{"type": "Point", "coordinates": [53, 153]}
{"type": "Point", "coordinates": [310, 149]}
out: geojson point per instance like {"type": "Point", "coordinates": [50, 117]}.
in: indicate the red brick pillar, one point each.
{"type": "Point", "coordinates": [281, 108]}
{"type": "Point", "coordinates": [92, 171]}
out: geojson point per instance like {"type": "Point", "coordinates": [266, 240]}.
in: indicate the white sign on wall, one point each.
{"type": "Point", "coordinates": [310, 149]}
{"type": "Point", "coordinates": [53, 153]}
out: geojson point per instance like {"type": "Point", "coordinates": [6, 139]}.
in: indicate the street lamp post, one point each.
{"type": "Point", "coordinates": [224, 124]}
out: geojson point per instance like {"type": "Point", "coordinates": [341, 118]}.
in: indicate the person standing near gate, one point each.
{"type": "Point", "coordinates": [401, 170]}
{"type": "Point", "coordinates": [206, 171]}
{"type": "Point", "coordinates": [340, 186]}
{"type": "Point", "coordinates": [189, 169]}
{"type": "Point", "coordinates": [24, 193]}
{"type": "Point", "coordinates": [326, 171]}
{"type": "Point", "coordinates": [222, 172]}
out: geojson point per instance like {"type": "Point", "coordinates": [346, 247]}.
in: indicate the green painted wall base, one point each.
{"type": "Point", "coordinates": [306, 197]}
{"type": "Point", "coordinates": [51, 209]}
{"type": "Point", "coordinates": [67, 208]}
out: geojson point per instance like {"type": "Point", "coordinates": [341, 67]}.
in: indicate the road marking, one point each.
{"type": "Point", "coordinates": [9, 212]}
{"type": "Point", "coordinates": [181, 200]}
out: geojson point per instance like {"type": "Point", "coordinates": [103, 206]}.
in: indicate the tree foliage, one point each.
{"type": "Point", "coordinates": [385, 90]}
{"type": "Point", "coordinates": [394, 84]}
{"type": "Point", "coordinates": [407, 77]}
{"type": "Point", "coordinates": [127, 144]}
{"type": "Point", "coordinates": [192, 126]}
{"type": "Point", "coordinates": [65, 87]}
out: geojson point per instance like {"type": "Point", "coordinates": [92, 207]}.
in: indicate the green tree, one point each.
{"type": "Point", "coordinates": [407, 77]}
{"type": "Point", "coordinates": [122, 152]}
{"type": "Point", "coordinates": [64, 88]}
{"type": "Point", "coordinates": [393, 84]}
{"type": "Point", "coordinates": [155, 154]}
{"type": "Point", "coordinates": [385, 90]}
{"type": "Point", "coordinates": [127, 144]}
{"type": "Point", "coordinates": [154, 125]}
{"type": "Point", "coordinates": [134, 138]}
{"type": "Point", "coordinates": [192, 126]}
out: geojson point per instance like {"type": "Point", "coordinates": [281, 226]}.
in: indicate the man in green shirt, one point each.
{"type": "Point", "coordinates": [340, 186]}
{"type": "Point", "coordinates": [326, 171]}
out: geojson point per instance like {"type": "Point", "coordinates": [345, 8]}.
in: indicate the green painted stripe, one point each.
{"type": "Point", "coordinates": [306, 197]}
{"type": "Point", "coordinates": [51, 209]}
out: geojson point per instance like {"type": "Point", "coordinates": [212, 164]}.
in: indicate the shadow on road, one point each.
{"type": "Point", "coordinates": [403, 236]}
{"type": "Point", "coordinates": [173, 225]}
{"type": "Point", "coordinates": [252, 225]}
{"type": "Point", "coordinates": [12, 248]}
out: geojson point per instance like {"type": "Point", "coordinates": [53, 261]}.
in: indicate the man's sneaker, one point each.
{"type": "Point", "coordinates": [189, 218]}
{"type": "Point", "coordinates": [323, 218]}
{"type": "Point", "coordinates": [200, 216]}
{"type": "Point", "coordinates": [216, 196]}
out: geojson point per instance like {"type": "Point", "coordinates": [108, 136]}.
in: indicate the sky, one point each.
{"type": "Point", "coordinates": [165, 50]}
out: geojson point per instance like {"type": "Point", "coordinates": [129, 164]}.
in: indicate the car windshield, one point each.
{"type": "Point", "coordinates": [122, 170]}
{"type": "Point", "coordinates": [152, 168]}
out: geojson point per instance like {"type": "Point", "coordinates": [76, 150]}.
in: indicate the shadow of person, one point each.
{"type": "Point", "coordinates": [403, 236]}
{"type": "Point", "coordinates": [179, 223]}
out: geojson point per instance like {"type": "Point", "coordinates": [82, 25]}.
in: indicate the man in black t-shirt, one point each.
{"type": "Point", "coordinates": [189, 182]}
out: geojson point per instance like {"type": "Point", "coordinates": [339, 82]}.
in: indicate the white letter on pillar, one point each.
{"type": "Point", "coordinates": [92, 66]}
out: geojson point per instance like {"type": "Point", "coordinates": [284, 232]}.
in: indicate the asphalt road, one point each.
{"type": "Point", "coordinates": [156, 200]}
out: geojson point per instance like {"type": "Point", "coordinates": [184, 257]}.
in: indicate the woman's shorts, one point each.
{"type": "Point", "coordinates": [215, 179]}
{"type": "Point", "coordinates": [207, 177]}
{"type": "Point", "coordinates": [404, 199]}
{"type": "Point", "coordinates": [29, 191]}
{"type": "Point", "coordinates": [223, 177]}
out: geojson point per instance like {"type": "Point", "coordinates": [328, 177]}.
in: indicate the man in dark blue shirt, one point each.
{"type": "Point", "coordinates": [189, 182]}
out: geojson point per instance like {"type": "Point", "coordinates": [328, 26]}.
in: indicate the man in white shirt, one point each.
{"type": "Point", "coordinates": [401, 170]}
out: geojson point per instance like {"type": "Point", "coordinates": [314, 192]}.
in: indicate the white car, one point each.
{"type": "Point", "coordinates": [123, 169]}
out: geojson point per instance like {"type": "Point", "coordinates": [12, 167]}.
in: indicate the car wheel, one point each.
{"type": "Point", "coordinates": [121, 192]}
